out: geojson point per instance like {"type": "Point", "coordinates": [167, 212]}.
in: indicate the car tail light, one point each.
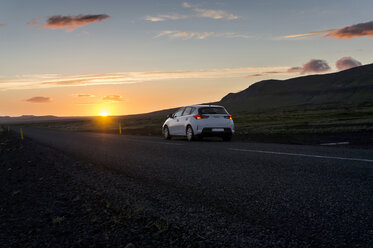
{"type": "Point", "coordinates": [198, 117]}
{"type": "Point", "coordinates": [228, 117]}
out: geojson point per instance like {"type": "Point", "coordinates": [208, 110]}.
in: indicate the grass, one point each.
{"type": "Point", "coordinates": [295, 121]}
{"type": "Point", "coordinates": [58, 219]}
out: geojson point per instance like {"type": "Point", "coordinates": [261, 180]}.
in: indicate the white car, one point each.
{"type": "Point", "coordinates": [198, 121]}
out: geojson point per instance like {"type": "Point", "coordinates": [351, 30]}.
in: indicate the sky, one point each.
{"type": "Point", "coordinates": [85, 57]}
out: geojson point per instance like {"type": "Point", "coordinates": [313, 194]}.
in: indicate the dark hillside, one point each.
{"type": "Point", "coordinates": [349, 87]}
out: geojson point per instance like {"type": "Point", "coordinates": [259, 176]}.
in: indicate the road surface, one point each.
{"type": "Point", "coordinates": [311, 193]}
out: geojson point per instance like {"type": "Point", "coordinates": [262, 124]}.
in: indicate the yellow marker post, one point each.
{"type": "Point", "coordinates": [8, 129]}
{"type": "Point", "coordinates": [120, 128]}
{"type": "Point", "coordinates": [21, 131]}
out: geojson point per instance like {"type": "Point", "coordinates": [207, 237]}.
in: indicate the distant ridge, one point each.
{"type": "Point", "coordinates": [348, 87]}
{"type": "Point", "coordinates": [27, 118]}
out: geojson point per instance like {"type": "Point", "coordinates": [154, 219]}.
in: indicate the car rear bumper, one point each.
{"type": "Point", "coordinates": [208, 132]}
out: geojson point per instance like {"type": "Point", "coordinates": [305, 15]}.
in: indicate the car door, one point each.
{"type": "Point", "coordinates": [183, 120]}
{"type": "Point", "coordinates": [179, 123]}
{"type": "Point", "coordinates": [173, 125]}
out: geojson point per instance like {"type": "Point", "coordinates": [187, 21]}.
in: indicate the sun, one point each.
{"type": "Point", "coordinates": [104, 113]}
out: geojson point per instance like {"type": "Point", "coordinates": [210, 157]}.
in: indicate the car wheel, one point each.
{"type": "Point", "coordinates": [227, 138]}
{"type": "Point", "coordinates": [166, 133]}
{"type": "Point", "coordinates": [189, 133]}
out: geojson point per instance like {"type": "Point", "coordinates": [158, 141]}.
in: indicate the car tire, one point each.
{"type": "Point", "coordinates": [227, 138]}
{"type": "Point", "coordinates": [189, 133]}
{"type": "Point", "coordinates": [166, 133]}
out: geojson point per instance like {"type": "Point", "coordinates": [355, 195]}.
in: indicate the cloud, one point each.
{"type": "Point", "coordinates": [210, 13]}
{"type": "Point", "coordinates": [198, 12]}
{"type": "Point", "coordinates": [113, 98]}
{"type": "Point", "coordinates": [84, 95]}
{"type": "Point", "coordinates": [2, 25]}
{"type": "Point", "coordinates": [72, 22]}
{"type": "Point", "coordinates": [34, 22]}
{"type": "Point", "coordinates": [186, 35]}
{"type": "Point", "coordinates": [315, 66]}
{"type": "Point", "coordinates": [347, 63]}
{"type": "Point", "coordinates": [42, 81]}
{"type": "Point", "coordinates": [160, 18]}
{"type": "Point", "coordinates": [267, 73]}
{"type": "Point", "coordinates": [186, 5]}
{"type": "Point", "coordinates": [358, 30]}
{"type": "Point", "coordinates": [312, 66]}
{"type": "Point", "coordinates": [285, 71]}
{"type": "Point", "coordinates": [364, 29]}
{"type": "Point", "coordinates": [215, 14]}
{"type": "Point", "coordinates": [292, 36]}
{"type": "Point", "coordinates": [39, 99]}
{"type": "Point", "coordinates": [295, 69]}
{"type": "Point", "coordinates": [87, 103]}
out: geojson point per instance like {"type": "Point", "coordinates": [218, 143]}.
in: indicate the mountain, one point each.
{"type": "Point", "coordinates": [349, 87]}
{"type": "Point", "coordinates": [26, 118]}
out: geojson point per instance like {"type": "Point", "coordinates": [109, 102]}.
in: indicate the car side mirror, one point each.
{"type": "Point", "coordinates": [170, 116]}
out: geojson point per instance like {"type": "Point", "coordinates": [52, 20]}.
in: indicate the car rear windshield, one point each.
{"type": "Point", "coordinates": [212, 110]}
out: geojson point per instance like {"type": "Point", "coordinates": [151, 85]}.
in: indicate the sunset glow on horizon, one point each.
{"type": "Point", "coordinates": [100, 58]}
{"type": "Point", "coordinates": [104, 113]}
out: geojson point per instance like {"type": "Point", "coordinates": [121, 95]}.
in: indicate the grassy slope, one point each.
{"type": "Point", "coordinates": [350, 87]}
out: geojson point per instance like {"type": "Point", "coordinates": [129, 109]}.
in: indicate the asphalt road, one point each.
{"type": "Point", "coordinates": [323, 195]}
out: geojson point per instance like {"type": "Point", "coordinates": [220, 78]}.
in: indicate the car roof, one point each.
{"type": "Point", "coordinates": [203, 105]}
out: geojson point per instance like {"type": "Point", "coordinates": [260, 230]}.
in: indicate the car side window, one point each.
{"type": "Point", "coordinates": [187, 111]}
{"type": "Point", "coordinates": [192, 110]}
{"type": "Point", "coordinates": [179, 112]}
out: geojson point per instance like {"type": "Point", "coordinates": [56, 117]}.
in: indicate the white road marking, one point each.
{"type": "Point", "coordinates": [155, 142]}
{"type": "Point", "coordinates": [335, 143]}
{"type": "Point", "coordinates": [303, 155]}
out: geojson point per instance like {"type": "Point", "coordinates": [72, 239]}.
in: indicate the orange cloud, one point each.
{"type": "Point", "coordinates": [72, 22]}
{"type": "Point", "coordinates": [307, 34]}
{"type": "Point", "coordinates": [85, 95]}
{"type": "Point", "coordinates": [39, 99]}
{"type": "Point", "coordinates": [364, 29]}
{"type": "Point", "coordinates": [358, 30]}
{"type": "Point", "coordinates": [113, 98]}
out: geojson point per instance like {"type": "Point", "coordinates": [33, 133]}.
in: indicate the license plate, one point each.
{"type": "Point", "coordinates": [218, 129]}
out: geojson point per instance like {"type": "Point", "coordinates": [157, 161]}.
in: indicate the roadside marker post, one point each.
{"type": "Point", "coordinates": [21, 132]}
{"type": "Point", "coordinates": [120, 128]}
